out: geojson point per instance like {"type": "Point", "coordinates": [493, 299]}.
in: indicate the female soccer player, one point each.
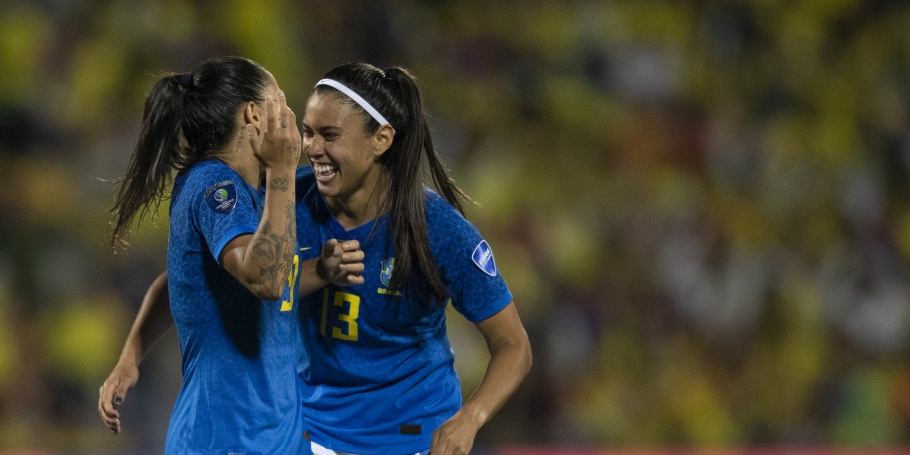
{"type": "Point", "coordinates": [232, 263]}
{"type": "Point", "coordinates": [378, 374]}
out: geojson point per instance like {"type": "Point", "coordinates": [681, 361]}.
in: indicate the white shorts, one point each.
{"type": "Point", "coordinates": [320, 450]}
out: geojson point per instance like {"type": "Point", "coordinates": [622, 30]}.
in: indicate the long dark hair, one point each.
{"type": "Point", "coordinates": [186, 116]}
{"type": "Point", "coordinates": [395, 94]}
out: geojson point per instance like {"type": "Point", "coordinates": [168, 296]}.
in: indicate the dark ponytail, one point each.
{"type": "Point", "coordinates": [395, 94]}
{"type": "Point", "coordinates": [186, 116]}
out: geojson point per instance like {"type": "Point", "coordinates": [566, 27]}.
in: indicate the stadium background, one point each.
{"type": "Point", "coordinates": [700, 206]}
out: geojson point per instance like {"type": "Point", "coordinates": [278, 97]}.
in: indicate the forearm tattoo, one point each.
{"type": "Point", "coordinates": [274, 252]}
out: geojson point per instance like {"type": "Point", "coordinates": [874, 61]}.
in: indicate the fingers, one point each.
{"type": "Point", "coordinates": [286, 116]}
{"type": "Point", "coordinates": [120, 393]}
{"type": "Point", "coordinates": [277, 141]}
{"type": "Point", "coordinates": [287, 122]}
{"type": "Point", "coordinates": [353, 271]}
{"type": "Point", "coordinates": [269, 120]}
{"type": "Point", "coordinates": [352, 261]}
{"type": "Point", "coordinates": [435, 445]}
{"type": "Point", "coordinates": [107, 407]}
{"type": "Point", "coordinates": [346, 261]}
{"type": "Point", "coordinates": [271, 112]}
{"type": "Point", "coordinates": [349, 250]}
{"type": "Point", "coordinates": [328, 249]}
{"type": "Point", "coordinates": [112, 394]}
{"type": "Point", "coordinates": [353, 266]}
{"type": "Point", "coordinates": [280, 117]}
{"type": "Point", "coordinates": [351, 257]}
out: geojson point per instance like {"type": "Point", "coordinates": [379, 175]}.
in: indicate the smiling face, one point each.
{"type": "Point", "coordinates": [345, 158]}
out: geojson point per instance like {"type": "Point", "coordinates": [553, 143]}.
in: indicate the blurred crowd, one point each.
{"type": "Point", "coordinates": [700, 206]}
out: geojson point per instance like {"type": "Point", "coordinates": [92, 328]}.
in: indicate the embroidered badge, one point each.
{"type": "Point", "coordinates": [483, 258]}
{"type": "Point", "coordinates": [222, 197]}
{"type": "Point", "coordinates": [385, 274]}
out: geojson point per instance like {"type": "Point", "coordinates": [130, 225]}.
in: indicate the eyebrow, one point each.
{"type": "Point", "coordinates": [322, 129]}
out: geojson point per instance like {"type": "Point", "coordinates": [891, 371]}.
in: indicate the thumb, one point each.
{"type": "Point", "coordinates": [328, 249]}
{"type": "Point", "coordinates": [120, 392]}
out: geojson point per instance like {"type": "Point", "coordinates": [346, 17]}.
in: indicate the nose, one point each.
{"type": "Point", "coordinates": [313, 145]}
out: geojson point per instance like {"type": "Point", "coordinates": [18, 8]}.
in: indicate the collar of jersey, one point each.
{"type": "Point", "coordinates": [338, 230]}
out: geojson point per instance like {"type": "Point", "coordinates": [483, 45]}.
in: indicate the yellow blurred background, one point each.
{"type": "Point", "coordinates": [700, 206]}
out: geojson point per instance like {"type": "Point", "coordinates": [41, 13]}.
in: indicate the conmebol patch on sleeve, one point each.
{"type": "Point", "coordinates": [483, 258]}
{"type": "Point", "coordinates": [222, 197]}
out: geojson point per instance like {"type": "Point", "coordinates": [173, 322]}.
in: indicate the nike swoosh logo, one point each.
{"type": "Point", "coordinates": [306, 248]}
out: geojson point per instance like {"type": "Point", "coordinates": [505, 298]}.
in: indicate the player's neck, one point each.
{"type": "Point", "coordinates": [356, 209]}
{"type": "Point", "coordinates": [242, 160]}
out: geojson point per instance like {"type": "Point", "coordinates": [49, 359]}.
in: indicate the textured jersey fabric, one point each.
{"type": "Point", "coordinates": [239, 392]}
{"type": "Point", "coordinates": [378, 375]}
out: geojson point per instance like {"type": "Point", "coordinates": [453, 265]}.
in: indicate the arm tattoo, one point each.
{"type": "Point", "coordinates": [264, 253]}
{"type": "Point", "coordinates": [274, 252]}
{"type": "Point", "coordinates": [280, 184]}
{"type": "Point", "coordinates": [290, 232]}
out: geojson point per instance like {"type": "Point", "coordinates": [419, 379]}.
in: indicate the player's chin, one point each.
{"type": "Point", "coordinates": [328, 188]}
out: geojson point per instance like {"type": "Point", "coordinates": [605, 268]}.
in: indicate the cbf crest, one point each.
{"type": "Point", "coordinates": [222, 197]}
{"type": "Point", "coordinates": [385, 273]}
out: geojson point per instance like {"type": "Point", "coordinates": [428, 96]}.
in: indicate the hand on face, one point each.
{"type": "Point", "coordinates": [276, 142]}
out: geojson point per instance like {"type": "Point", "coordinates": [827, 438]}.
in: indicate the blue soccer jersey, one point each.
{"type": "Point", "coordinates": [239, 392]}
{"type": "Point", "coordinates": [378, 375]}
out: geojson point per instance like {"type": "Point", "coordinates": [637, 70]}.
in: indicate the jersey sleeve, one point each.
{"type": "Point", "coordinates": [476, 287]}
{"type": "Point", "coordinates": [223, 209]}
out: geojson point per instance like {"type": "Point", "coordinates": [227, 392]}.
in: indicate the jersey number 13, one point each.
{"type": "Point", "coordinates": [339, 315]}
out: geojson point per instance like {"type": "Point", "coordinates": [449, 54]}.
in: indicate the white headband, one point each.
{"type": "Point", "coordinates": [357, 99]}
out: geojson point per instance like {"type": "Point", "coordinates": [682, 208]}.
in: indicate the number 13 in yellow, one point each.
{"type": "Point", "coordinates": [345, 310]}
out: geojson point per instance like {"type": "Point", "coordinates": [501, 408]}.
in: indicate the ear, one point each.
{"type": "Point", "coordinates": [252, 114]}
{"type": "Point", "coordinates": [382, 140]}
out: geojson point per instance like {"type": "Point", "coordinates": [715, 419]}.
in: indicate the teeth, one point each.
{"type": "Point", "coordinates": [324, 168]}
{"type": "Point", "coordinates": [324, 172]}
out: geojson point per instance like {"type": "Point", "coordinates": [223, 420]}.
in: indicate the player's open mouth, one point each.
{"type": "Point", "coordinates": [324, 172]}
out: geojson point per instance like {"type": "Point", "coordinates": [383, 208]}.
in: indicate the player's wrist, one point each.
{"type": "Point", "coordinates": [322, 272]}
{"type": "Point", "coordinates": [129, 360]}
{"type": "Point", "coordinates": [280, 170]}
{"type": "Point", "coordinates": [476, 417]}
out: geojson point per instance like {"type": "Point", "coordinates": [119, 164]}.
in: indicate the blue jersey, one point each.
{"type": "Point", "coordinates": [239, 391]}
{"type": "Point", "coordinates": [378, 375]}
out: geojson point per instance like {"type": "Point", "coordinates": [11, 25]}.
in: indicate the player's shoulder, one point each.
{"type": "Point", "coordinates": [438, 209]}
{"type": "Point", "coordinates": [211, 180]}
{"type": "Point", "coordinates": [446, 225]}
{"type": "Point", "coordinates": [207, 173]}
{"type": "Point", "coordinates": [435, 203]}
